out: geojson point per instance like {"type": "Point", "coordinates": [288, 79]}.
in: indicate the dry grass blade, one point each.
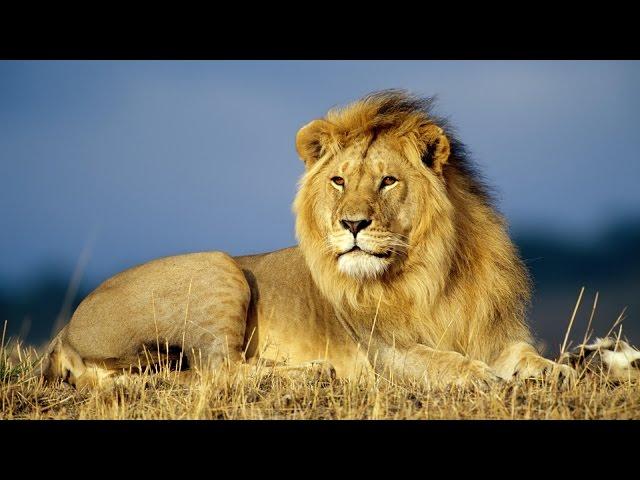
{"type": "Point", "coordinates": [573, 316]}
{"type": "Point", "coordinates": [587, 334]}
{"type": "Point", "coordinates": [373, 325]}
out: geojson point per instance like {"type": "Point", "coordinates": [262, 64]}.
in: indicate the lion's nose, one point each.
{"type": "Point", "coordinates": [354, 226]}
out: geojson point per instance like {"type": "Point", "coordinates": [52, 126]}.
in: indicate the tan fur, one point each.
{"type": "Point", "coordinates": [437, 292]}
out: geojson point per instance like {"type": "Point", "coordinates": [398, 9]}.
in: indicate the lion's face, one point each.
{"type": "Point", "coordinates": [369, 193]}
{"type": "Point", "coordinates": [366, 207]}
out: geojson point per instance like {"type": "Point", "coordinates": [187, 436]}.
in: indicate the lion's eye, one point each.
{"type": "Point", "coordinates": [387, 181]}
{"type": "Point", "coordinates": [338, 181]}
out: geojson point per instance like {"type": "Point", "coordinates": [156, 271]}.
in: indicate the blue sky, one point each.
{"type": "Point", "coordinates": [136, 160]}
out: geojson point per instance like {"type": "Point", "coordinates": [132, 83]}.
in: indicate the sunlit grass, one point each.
{"type": "Point", "coordinates": [265, 393]}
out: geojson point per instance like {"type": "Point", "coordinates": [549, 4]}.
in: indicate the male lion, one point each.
{"type": "Point", "coordinates": [403, 268]}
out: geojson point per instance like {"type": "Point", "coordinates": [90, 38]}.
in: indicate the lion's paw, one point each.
{"type": "Point", "coordinates": [316, 370]}
{"type": "Point", "coordinates": [534, 367]}
{"type": "Point", "coordinates": [477, 374]}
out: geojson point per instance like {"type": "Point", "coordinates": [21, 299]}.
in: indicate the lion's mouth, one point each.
{"type": "Point", "coordinates": [356, 248]}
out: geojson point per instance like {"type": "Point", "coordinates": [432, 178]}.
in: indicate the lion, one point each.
{"type": "Point", "coordinates": [403, 268]}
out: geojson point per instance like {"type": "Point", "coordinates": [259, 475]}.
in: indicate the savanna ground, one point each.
{"type": "Point", "coordinates": [263, 393]}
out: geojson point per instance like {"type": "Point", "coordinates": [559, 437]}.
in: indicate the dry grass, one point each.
{"type": "Point", "coordinates": [267, 395]}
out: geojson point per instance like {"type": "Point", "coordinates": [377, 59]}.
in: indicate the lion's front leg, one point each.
{"type": "Point", "coordinates": [521, 361]}
{"type": "Point", "coordinates": [436, 368]}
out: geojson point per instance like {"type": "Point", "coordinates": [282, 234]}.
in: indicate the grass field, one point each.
{"type": "Point", "coordinates": [263, 394]}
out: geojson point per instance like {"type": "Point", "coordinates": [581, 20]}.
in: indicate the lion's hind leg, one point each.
{"type": "Point", "coordinates": [63, 362]}
{"type": "Point", "coordinates": [170, 313]}
{"type": "Point", "coordinates": [214, 331]}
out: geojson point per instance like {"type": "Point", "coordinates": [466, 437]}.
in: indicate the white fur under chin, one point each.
{"type": "Point", "coordinates": [361, 265]}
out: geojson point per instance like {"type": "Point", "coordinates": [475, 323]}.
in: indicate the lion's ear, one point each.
{"type": "Point", "coordinates": [436, 147]}
{"type": "Point", "coordinates": [311, 140]}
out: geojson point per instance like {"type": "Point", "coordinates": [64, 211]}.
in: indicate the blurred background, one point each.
{"type": "Point", "coordinates": [104, 165]}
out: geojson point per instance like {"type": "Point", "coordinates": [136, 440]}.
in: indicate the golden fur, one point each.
{"type": "Point", "coordinates": [403, 267]}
